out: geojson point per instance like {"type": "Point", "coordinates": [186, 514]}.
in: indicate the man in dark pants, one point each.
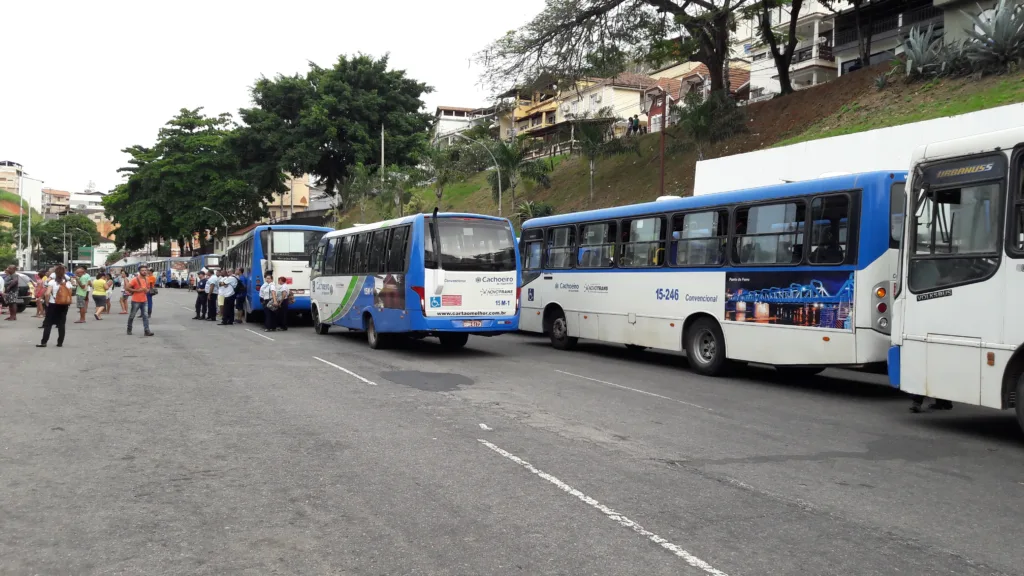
{"type": "Point", "coordinates": [211, 296]}
{"type": "Point", "coordinates": [200, 295]}
{"type": "Point", "coordinates": [228, 284]}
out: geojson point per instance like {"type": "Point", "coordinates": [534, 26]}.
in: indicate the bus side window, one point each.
{"type": "Point", "coordinates": [830, 217]}
{"type": "Point", "coordinates": [329, 256]}
{"type": "Point", "coordinates": [358, 253]}
{"type": "Point", "coordinates": [344, 264]}
{"type": "Point", "coordinates": [643, 242]}
{"type": "Point", "coordinates": [770, 234]}
{"type": "Point", "coordinates": [398, 250]}
{"type": "Point", "coordinates": [377, 246]}
{"type": "Point", "coordinates": [561, 246]}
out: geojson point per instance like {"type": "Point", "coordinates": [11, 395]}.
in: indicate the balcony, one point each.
{"type": "Point", "coordinates": [812, 56]}
{"type": "Point", "coordinates": [889, 25]}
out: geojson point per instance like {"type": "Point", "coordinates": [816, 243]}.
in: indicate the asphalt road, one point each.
{"type": "Point", "coordinates": [216, 450]}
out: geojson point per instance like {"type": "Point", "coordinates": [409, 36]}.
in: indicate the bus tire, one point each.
{"type": "Point", "coordinates": [799, 371]}
{"type": "Point", "coordinates": [705, 347]}
{"type": "Point", "coordinates": [1019, 401]}
{"type": "Point", "coordinates": [318, 327]}
{"type": "Point", "coordinates": [453, 340]}
{"type": "Point", "coordinates": [375, 339]}
{"type": "Point", "coordinates": [560, 338]}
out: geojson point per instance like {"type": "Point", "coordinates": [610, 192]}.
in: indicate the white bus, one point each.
{"type": "Point", "coordinates": [789, 275]}
{"type": "Point", "coordinates": [958, 315]}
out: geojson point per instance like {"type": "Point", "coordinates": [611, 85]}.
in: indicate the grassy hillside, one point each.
{"type": "Point", "coordinates": [847, 105]}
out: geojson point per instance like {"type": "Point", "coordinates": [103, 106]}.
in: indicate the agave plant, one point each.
{"type": "Point", "coordinates": [998, 39]}
{"type": "Point", "coordinates": [922, 52]}
{"type": "Point", "coordinates": [953, 60]}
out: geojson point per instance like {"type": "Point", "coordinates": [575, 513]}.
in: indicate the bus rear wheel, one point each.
{"type": "Point", "coordinates": [375, 339]}
{"type": "Point", "coordinates": [453, 341]}
{"type": "Point", "coordinates": [705, 347]}
{"type": "Point", "coordinates": [319, 327]}
{"type": "Point", "coordinates": [1020, 401]}
{"type": "Point", "coordinates": [560, 338]}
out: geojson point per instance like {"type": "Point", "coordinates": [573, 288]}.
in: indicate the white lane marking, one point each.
{"type": "Point", "coordinates": [346, 370]}
{"type": "Point", "coordinates": [634, 390]}
{"type": "Point", "coordinates": [260, 335]}
{"type": "Point", "coordinates": [611, 514]}
{"type": "Point", "coordinates": [485, 427]}
{"type": "Point", "coordinates": [187, 308]}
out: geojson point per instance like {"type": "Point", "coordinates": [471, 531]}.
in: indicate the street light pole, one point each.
{"type": "Point", "coordinates": [225, 225]}
{"type": "Point", "coordinates": [496, 167]}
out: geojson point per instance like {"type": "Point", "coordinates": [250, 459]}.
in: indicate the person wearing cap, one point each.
{"type": "Point", "coordinates": [200, 295]}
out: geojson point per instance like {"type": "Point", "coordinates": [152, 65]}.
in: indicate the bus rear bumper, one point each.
{"type": "Point", "coordinates": [894, 366]}
{"type": "Point", "coordinates": [491, 326]}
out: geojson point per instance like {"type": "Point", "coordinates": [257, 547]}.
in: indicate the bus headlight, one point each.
{"type": "Point", "coordinates": [883, 323]}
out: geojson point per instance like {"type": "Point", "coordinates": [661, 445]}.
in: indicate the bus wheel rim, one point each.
{"type": "Point", "coordinates": [706, 346]}
{"type": "Point", "coordinates": [559, 328]}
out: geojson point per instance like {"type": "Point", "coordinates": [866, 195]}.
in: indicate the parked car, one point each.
{"type": "Point", "coordinates": [26, 296]}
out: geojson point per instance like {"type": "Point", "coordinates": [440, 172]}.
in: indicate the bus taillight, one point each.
{"type": "Point", "coordinates": [518, 292]}
{"type": "Point", "coordinates": [419, 292]}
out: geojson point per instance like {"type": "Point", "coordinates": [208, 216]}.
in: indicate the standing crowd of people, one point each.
{"type": "Point", "coordinates": [225, 291]}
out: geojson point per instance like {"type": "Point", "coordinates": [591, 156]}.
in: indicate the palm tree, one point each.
{"type": "Point", "coordinates": [594, 138]}
{"type": "Point", "coordinates": [530, 209]}
{"type": "Point", "coordinates": [511, 159]}
{"type": "Point", "coordinates": [443, 167]}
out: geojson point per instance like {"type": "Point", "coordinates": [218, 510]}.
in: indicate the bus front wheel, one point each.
{"type": "Point", "coordinates": [453, 341]}
{"type": "Point", "coordinates": [373, 338]}
{"type": "Point", "coordinates": [705, 347]}
{"type": "Point", "coordinates": [319, 327]}
{"type": "Point", "coordinates": [560, 338]}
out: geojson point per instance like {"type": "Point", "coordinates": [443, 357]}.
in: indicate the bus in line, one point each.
{"type": "Point", "coordinates": [283, 249]}
{"type": "Point", "coordinates": [443, 275]}
{"type": "Point", "coordinates": [209, 262]}
{"type": "Point", "coordinates": [787, 275]}
{"type": "Point", "coordinates": [958, 315]}
{"type": "Point", "coordinates": [170, 271]}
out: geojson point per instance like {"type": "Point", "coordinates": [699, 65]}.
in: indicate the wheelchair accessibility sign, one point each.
{"type": "Point", "coordinates": [435, 301]}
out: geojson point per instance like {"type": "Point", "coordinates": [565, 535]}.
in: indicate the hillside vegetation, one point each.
{"type": "Point", "coordinates": [847, 105]}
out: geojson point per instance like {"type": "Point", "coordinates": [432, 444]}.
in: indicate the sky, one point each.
{"type": "Point", "coordinates": [82, 80]}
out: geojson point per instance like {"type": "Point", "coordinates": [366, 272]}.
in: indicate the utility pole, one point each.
{"type": "Point", "coordinates": [664, 118]}
{"type": "Point", "coordinates": [291, 196]}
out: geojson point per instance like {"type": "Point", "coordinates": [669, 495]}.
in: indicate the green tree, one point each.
{"type": "Point", "coordinates": [194, 164]}
{"type": "Point", "coordinates": [781, 45]}
{"type": "Point", "coordinates": [113, 257]}
{"type": "Point", "coordinates": [51, 237]}
{"type": "Point", "coordinates": [572, 39]}
{"type": "Point", "coordinates": [515, 167]}
{"type": "Point", "coordinates": [705, 121]}
{"type": "Point", "coordinates": [443, 167]}
{"type": "Point", "coordinates": [328, 121]}
{"type": "Point", "coordinates": [530, 209]}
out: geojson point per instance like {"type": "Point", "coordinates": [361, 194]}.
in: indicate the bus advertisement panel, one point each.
{"type": "Point", "coordinates": [785, 275]}
{"type": "Point", "coordinates": [449, 276]}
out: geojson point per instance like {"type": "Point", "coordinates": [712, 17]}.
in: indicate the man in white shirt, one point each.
{"type": "Point", "coordinates": [211, 296]}
{"type": "Point", "coordinates": [228, 283]}
{"type": "Point", "coordinates": [266, 295]}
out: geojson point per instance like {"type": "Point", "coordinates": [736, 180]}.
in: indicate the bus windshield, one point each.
{"type": "Point", "coordinates": [470, 244]}
{"type": "Point", "coordinates": [294, 245]}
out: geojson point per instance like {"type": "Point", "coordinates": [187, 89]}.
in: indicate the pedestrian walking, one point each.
{"type": "Point", "coordinates": [58, 296]}
{"type": "Point", "coordinates": [82, 293]}
{"type": "Point", "coordinates": [124, 292]}
{"type": "Point", "coordinates": [40, 291]}
{"type": "Point", "coordinates": [11, 284]}
{"type": "Point", "coordinates": [200, 288]}
{"type": "Point", "coordinates": [99, 295]}
{"type": "Point", "coordinates": [139, 286]}
{"type": "Point", "coordinates": [241, 293]}
{"type": "Point", "coordinates": [151, 292]}
{"type": "Point", "coordinates": [266, 300]}
{"type": "Point", "coordinates": [228, 284]}
{"type": "Point", "coordinates": [212, 295]}
{"type": "Point", "coordinates": [282, 298]}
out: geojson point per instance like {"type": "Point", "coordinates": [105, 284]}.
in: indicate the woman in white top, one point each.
{"type": "Point", "coordinates": [266, 296]}
{"type": "Point", "coordinates": [281, 295]}
{"type": "Point", "coordinates": [57, 313]}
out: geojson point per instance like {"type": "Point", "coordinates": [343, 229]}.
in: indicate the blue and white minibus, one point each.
{"type": "Point", "coordinates": [199, 262]}
{"type": "Point", "coordinates": [446, 275]}
{"type": "Point", "coordinates": [283, 249]}
{"type": "Point", "coordinates": [786, 275]}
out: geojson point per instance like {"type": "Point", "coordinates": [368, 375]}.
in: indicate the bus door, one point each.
{"type": "Point", "coordinates": [531, 252]}
{"type": "Point", "coordinates": [952, 305]}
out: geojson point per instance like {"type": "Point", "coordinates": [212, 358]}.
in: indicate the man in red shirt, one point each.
{"type": "Point", "coordinates": [139, 288]}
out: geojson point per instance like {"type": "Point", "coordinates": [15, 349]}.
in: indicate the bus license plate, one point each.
{"type": "Point", "coordinates": [299, 291]}
{"type": "Point", "coordinates": [472, 323]}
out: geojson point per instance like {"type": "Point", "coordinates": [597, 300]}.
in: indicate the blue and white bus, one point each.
{"type": "Point", "coordinates": [282, 249]}
{"type": "Point", "coordinates": [200, 262]}
{"type": "Point", "coordinates": [170, 271]}
{"type": "Point", "coordinates": [446, 275]}
{"type": "Point", "coordinates": [795, 275]}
